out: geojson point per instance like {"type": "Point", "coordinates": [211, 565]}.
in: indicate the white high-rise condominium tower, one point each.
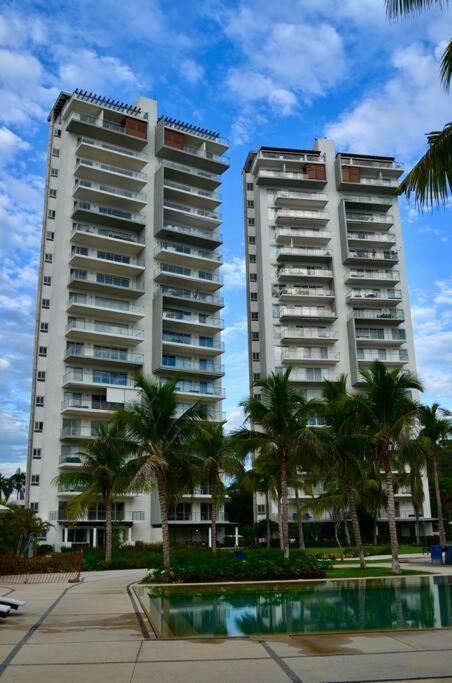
{"type": "Point", "coordinates": [129, 280]}
{"type": "Point", "coordinates": [326, 284]}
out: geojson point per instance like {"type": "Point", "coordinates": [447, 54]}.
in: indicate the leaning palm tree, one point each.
{"type": "Point", "coordinates": [435, 430]}
{"type": "Point", "coordinates": [431, 179]}
{"type": "Point", "coordinates": [390, 414]}
{"type": "Point", "coordinates": [261, 478]}
{"type": "Point", "coordinates": [215, 457]}
{"type": "Point", "coordinates": [280, 415]}
{"type": "Point", "coordinates": [161, 435]}
{"type": "Point", "coordinates": [107, 471]}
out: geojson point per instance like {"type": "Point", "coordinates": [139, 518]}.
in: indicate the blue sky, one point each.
{"type": "Point", "coordinates": [260, 72]}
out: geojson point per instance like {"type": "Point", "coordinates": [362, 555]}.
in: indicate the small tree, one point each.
{"type": "Point", "coordinates": [16, 528]}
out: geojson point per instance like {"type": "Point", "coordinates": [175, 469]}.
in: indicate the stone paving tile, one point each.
{"type": "Point", "coordinates": [87, 605]}
{"type": "Point", "coordinates": [95, 673]}
{"type": "Point", "coordinates": [88, 627]}
{"type": "Point", "coordinates": [74, 653]}
{"type": "Point", "coordinates": [371, 667]}
{"type": "Point", "coordinates": [239, 671]}
{"type": "Point", "coordinates": [173, 650]}
{"type": "Point", "coordinates": [336, 643]}
{"type": "Point", "coordinates": [427, 640]}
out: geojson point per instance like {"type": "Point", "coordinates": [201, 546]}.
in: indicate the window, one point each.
{"type": "Point", "coordinates": [52, 193]}
{"type": "Point", "coordinates": [44, 327]}
{"type": "Point", "coordinates": [57, 132]}
{"type": "Point", "coordinates": [253, 296]}
{"type": "Point", "coordinates": [47, 280]}
{"type": "Point", "coordinates": [39, 426]}
{"type": "Point", "coordinates": [261, 509]}
{"type": "Point", "coordinates": [46, 303]}
{"type": "Point", "coordinates": [55, 152]}
{"type": "Point", "coordinates": [50, 235]}
{"type": "Point", "coordinates": [252, 258]}
{"type": "Point", "coordinates": [34, 506]}
{"type": "Point", "coordinates": [256, 376]}
{"type": "Point", "coordinates": [251, 239]}
{"type": "Point", "coordinates": [138, 516]}
{"type": "Point", "coordinates": [41, 375]}
{"type": "Point", "coordinates": [254, 336]}
{"type": "Point", "coordinates": [250, 204]}
{"type": "Point", "coordinates": [256, 356]}
{"type": "Point", "coordinates": [54, 172]}
{"type": "Point", "coordinates": [250, 187]}
{"type": "Point", "coordinates": [253, 277]}
{"type": "Point", "coordinates": [254, 315]}
{"type": "Point", "coordinates": [42, 351]}
{"type": "Point", "coordinates": [36, 454]}
{"type": "Point", "coordinates": [40, 401]}
{"type": "Point", "coordinates": [251, 221]}
{"type": "Point", "coordinates": [257, 397]}
{"type": "Point", "coordinates": [48, 258]}
{"type": "Point", "coordinates": [51, 214]}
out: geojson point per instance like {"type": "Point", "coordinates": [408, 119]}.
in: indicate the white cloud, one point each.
{"type": "Point", "coordinates": [237, 328]}
{"type": "Point", "coordinates": [234, 272]}
{"type": "Point", "coordinates": [10, 144]}
{"type": "Point", "coordinates": [95, 72]}
{"type": "Point", "coordinates": [191, 71]}
{"type": "Point", "coordinates": [394, 116]}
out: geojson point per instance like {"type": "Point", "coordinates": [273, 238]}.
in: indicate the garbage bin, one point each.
{"type": "Point", "coordinates": [448, 555]}
{"type": "Point", "coordinates": [436, 553]}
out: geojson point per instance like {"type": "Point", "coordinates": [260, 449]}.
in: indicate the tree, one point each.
{"type": "Point", "coordinates": [280, 415]}
{"type": "Point", "coordinates": [431, 178]}
{"type": "Point", "coordinates": [413, 480]}
{"type": "Point", "coordinates": [19, 480]}
{"type": "Point", "coordinates": [107, 470]}
{"type": "Point", "coordinates": [215, 457]}
{"type": "Point", "coordinates": [16, 528]}
{"type": "Point", "coordinates": [435, 431]}
{"type": "Point", "coordinates": [161, 435]}
{"type": "Point", "coordinates": [6, 488]}
{"type": "Point", "coordinates": [261, 478]}
{"type": "Point", "coordinates": [390, 414]}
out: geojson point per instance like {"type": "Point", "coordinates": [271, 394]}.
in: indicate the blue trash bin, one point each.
{"type": "Point", "coordinates": [436, 553]}
{"type": "Point", "coordinates": [448, 555]}
{"type": "Point", "coordinates": [239, 554]}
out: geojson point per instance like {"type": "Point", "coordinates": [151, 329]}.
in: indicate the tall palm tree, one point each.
{"type": "Point", "coordinates": [280, 414]}
{"type": "Point", "coordinates": [6, 487]}
{"type": "Point", "coordinates": [412, 478]}
{"type": "Point", "coordinates": [215, 458]}
{"type": "Point", "coordinates": [389, 412]}
{"type": "Point", "coordinates": [161, 436]}
{"type": "Point", "coordinates": [435, 430]}
{"type": "Point", "coordinates": [431, 178]}
{"type": "Point", "coordinates": [19, 480]}
{"type": "Point", "coordinates": [107, 470]}
{"type": "Point", "coordinates": [262, 478]}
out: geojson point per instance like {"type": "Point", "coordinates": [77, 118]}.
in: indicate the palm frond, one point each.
{"type": "Point", "coordinates": [446, 67]}
{"type": "Point", "coordinates": [397, 8]}
{"type": "Point", "coordinates": [431, 178]}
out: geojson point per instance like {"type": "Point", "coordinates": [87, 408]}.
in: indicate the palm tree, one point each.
{"type": "Point", "coordinates": [19, 480]}
{"type": "Point", "coordinates": [215, 458]}
{"type": "Point", "coordinates": [413, 479]}
{"type": "Point", "coordinates": [434, 431]}
{"type": "Point", "coordinates": [431, 179]}
{"type": "Point", "coordinates": [261, 478]}
{"type": "Point", "coordinates": [389, 412]}
{"type": "Point", "coordinates": [161, 436]}
{"type": "Point", "coordinates": [280, 414]}
{"type": "Point", "coordinates": [107, 471]}
{"type": "Point", "coordinates": [6, 488]}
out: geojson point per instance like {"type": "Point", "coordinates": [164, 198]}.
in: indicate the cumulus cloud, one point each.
{"type": "Point", "coordinates": [192, 71]}
{"type": "Point", "coordinates": [234, 272]}
{"type": "Point", "coordinates": [10, 144]}
{"type": "Point", "coordinates": [95, 72]}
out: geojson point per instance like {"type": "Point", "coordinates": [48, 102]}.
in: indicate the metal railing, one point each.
{"type": "Point", "coordinates": [309, 354]}
{"type": "Point", "coordinates": [190, 188]}
{"type": "Point", "coordinates": [392, 275]}
{"type": "Point", "coordinates": [306, 312]}
{"type": "Point", "coordinates": [294, 232]}
{"type": "Point", "coordinates": [121, 192]}
{"type": "Point", "coordinates": [305, 251]}
{"type": "Point", "coordinates": [305, 272]}
{"type": "Point", "coordinates": [374, 255]}
{"type": "Point", "coordinates": [106, 232]}
{"type": "Point", "coordinates": [190, 169]}
{"type": "Point", "coordinates": [194, 232]}
{"type": "Point", "coordinates": [104, 354]}
{"type": "Point", "coordinates": [192, 296]}
{"type": "Point", "coordinates": [395, 294]}
{"type": "Point", "coordinates": [308, 333]}
{"type": "Point", "coordinates": [134, 175]}
{"type": "Point", "coordinates": [109, 146]}
{"type": "Point", "coordinates": [372, 236]}
{"type": "Point", "coordinates": [204, 213]}
{"type": "Point", "coordinates": [192, 318]}
{"type": "Point", "coordinates": [109, 211]}
{"type": "Point", "coordinates": [104, 328]}
{"type": "Point", "coordinates": [295, 213]}
{"type": "Point", "coordinates": [385, 314]}
{"type": "Point", "coordinates": [101, 302]}
{"type": "Point", "coordinates": [306, 291]}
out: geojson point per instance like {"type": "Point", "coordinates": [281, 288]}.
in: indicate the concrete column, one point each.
{"type": "Point", "coordinates": [236, 533]}
{"type": "Point", "coordinates": [129, 535]}
{"type": "Point", "coordinates": [65, 534]}
{"type": "Point", "coordinates": [209, 531]}
{"type": "Point", "coordinates": [95, 537]}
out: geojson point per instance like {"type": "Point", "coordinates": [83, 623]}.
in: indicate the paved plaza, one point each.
{"type": "Point", "coordinates": [95, 631]}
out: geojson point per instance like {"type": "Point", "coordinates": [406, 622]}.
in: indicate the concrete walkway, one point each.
{"type": "Point", "coordinates": [94, 631]}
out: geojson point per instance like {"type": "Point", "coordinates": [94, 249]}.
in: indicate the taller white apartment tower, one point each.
{"type": "Point", "coordinates": [326, 284]}
{"type": "Point", "coordinates": [129, 280]}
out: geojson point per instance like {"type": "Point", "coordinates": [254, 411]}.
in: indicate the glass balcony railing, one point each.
{"type": "Point", "coordinates": [306, 291]}
{"type": "Point", "coordinates": [107, 256]}
{"type": "Point", "coordinates": [308, 196]}
{"type": "Point", "coordinates": [192, 296]}
{"type": "Point", "coordinates": [294, 233]}
{"type": "Point", "coordinates": [106, 232]}
{"type": "Point", "coordinates": [104, 354]}
{"type": "Point", "coordinates": [98, 377]}
{"type": "Point", "coordinates": [355, 161]}
{"type": "Point", "coordinates": [102, 302]}
{"type": "Point", "coordinates": [383, 314]}
{"type": "Point", "coordinates": [204, 213]}
{"type": "Point", "coordinates": [190, 169]}
{"type": "Point", "coordinates": [189, 364]}
{"type": "Point", "coordinates": [189, 251]}
{"type": "Point", "coordinates": [104, 328]}
{"type": "Point", "coordinates": [104, 279]}
{"type": "Point", "coordinates": [100, 187]}
{"type": "Point", "coordinates": [300, 251]}
{"type": "Point", "coordinates": [195, 516]}
{"type": "Point", "coordinates": [312, 375]}
{"type": "Point", "coordinates": [306, 312]}
{"type": "Point", "coordinates": [372, 236]}
{"type": "Point", "coordinates": [199, 319]}
{"type": "Point", "coordinates": [88, 404]}
{"type": "Point", "coordinates": [383, 355]}
{"type": "Point", "coordinates": [374, 255]}
{"type": "Point", "coordinates": [109, 211]}
{"type": "Point", "coordinates": [172, 184]}
{"type": "Point", "coordinates": [194, 232]}
{"type": "Point", "coordinates": [111, 147]}
{"type": "Point", "coordinates": [304, 272]}
{"type": "Point", "coordinates": [370, 334]}
{"type": "Point", "coordinates": [295, 213]}
{"type": "Point", "coordinates": [188, 340]}
{"type": "Point", "coordinates": [100, 123]}
{"type": "Point", "coordinates": [391, 275]}
{"type": "Point", "coordinates": [79, 431]}
{"type": "Point", "coordinates": [179, 271]}
{"type": "Point", "coordinates": [308, 333]}
{"type": "Point", "coordinates": [369, 217]}
{"type": "Point", "coordinates": [110, 168]}
{"type": "Point", "coordinates": [309, 354]}
{"type": "Point", "coordinates": [394, 294]}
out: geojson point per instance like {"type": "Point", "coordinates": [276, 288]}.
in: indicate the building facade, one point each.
{"type": "Point", "coordinates": [326, 284]}
{"type": "Point", "coordinates": [129, 280]}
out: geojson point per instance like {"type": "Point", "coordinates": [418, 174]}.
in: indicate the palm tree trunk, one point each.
{"type": "Point", "coordinates": [284, 503]}
{"type": "Point", "coordinates": [416, 525]}
{"type": "Point", "coordinates": [300, 522]}
{"type": "Point", "coordinates": [269, 529]}
{"type": "Point", "coordinates": [376, 527]}
{"type": "Point", "coordinates": [163, 500]}
{"type": "Point", "coordinates": [108, 527]}
{"type": "Point", "coordinates": [347, 530]}
{"type": "Point", "coordinates": [439, 506]}
{"type": "Point", "coordinates": [391, 517]}
{"type": "Point", "coordinates": [281, 545]}
{"type": "Point", "coordinates": [214, 528]}
{"type": "Point", "coordinates": [355, 524]}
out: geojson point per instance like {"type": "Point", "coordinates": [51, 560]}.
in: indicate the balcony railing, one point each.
{"type": "Point", "coordinates": [300, 251]}
{"type": "Point", "coordinates": [191, 169]}
{"type": "Point", "coordinates": [195, 318]}
{"type": "Point", "coordinates": [194, 232]}
{"type": "Point", "coordinates": [200, 152]}
{"type": "Point", "coordinates": [385, 314]}
{"type": "Point", "coordinates": [306, 291]}
{"type": "Point", "coordinates": [113, 148]}
{"type": "Point", "coordinates": [372, 236]}
{"type": "Point", "coordinates": [195, 517]}
{"type": "Point", "coordinates": [183, 250]}
{"type": "Point", "coordinates": [190, 188]}
{"type": "Point", "coordinates": [313, 375]}
{"type": "Point", "coordinates": [76, 376]}
{"type": "Point", "coordinates": [203, 390]}
{"type": "Point", "coordinates": [306, 312]}
{"type": "Point", "coordinates": [189, 364]}
{"type": "Point", "coordinates": [395, 294]}
{"type": "Point", "coordinates": [120, 259]}
{"type": "Point", "coordinates": [102, 302]}
{"type": "Point", "coordinates": [134, 175]}
{"type": "Point", "coordinates": [352, 161]}
{"type": "Point", "coordinates": [309, 354]}
{"type": "Point", "coordinates": [104, 328]}
{"type": "Point", "coordinates": [308, 333]}
{"type": "Point", "coordinates": [178, 271]}
{"type": "Point", "coordinates": [104, 354]}
{"type": "Point", "coordinates": [267, 173]}
{"type": "Point", "coordinates": [87, 404]}
{"type": "Point", "coordinates": [298, 156]}
{"type": "Point", "coordinates": [106, 232]}
{"type": "Point", "coordinates": [391, 275]}
{"type": "Point", "coordinates": [387, 182]}
{"type": "Point", "coordinates": [374, 255]}
{"type": "Point", "coordinates": [294, 233]}
{"type": "Point", "coordinates": [369, 217]}
{"type": "Point", "coordinates": [397, 335]}
{"type": "Point", "coordinates": [104, 279]}
{"type": "Point", "coordinates": [296, 213]}
{"type": "Point", "coordinates": [80, 432]}
{"type": "Point", "coordinates": [100, 187]}
{"type": "Point", "coordinates": [192, 296]}
{"type": "Point", "coordinates": [193, 341]}
{"type": "Point", "coordinates": [305, 272]}
{"type": "Point", "coordinates": [104, 123]}
{"type": "Point", "coordinates": [309, 196]}
{"type": "Point", "coordinates": [204, 213]}
{"type": "Point", "coordinates": [367, 199]}
{"type": "Point", "coordinates": [383, 355]}
{"type": "Point", "coordinates": [109, 211]}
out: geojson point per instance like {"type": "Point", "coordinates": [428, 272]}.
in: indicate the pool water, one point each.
{"type": "Point", "coordinates": [312, 607]}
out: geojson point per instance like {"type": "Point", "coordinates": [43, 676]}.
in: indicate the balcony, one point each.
{"type": "Point", "coordinates": [202, 237]}
{"type": "Point", "coordinates": [374, 296]}
{"type": "Point", "coordinates": [303, 254]}
{"type": "Point", "coordinates": [167, 273]}
{"type": "Point", "coordinates": [81, 304]}
{"type": "Point", "coordinates": [106, 238]}
{"type": "Point", "coordinates": [194, 299]}
{"type": "Point", "coordinates": [356, 202]}
{"type": "Point", "coordinates": [96, 378]}
{"type": "Point", "coordinates": [373, 256]}
{"type": "Point", "coordinates": [302, 199]}
{"type": "Point", "coordinates": [193, 322]}
{"type": "Point", "coordinates": [364, 220]}
{"type": "Point", "coordinates": [190, 146]}
{"type": "Point", "coordinates": [110, 153]}
{"type": "Point", "coordinates": [106, 283]}
{"type": "Point", "coordinates": [176, 191]}
{"type": "Point", "coordinates": [78, 432]}
{"type": "Point", "coordinates": [173, 252]}
{"type": "Point", "coordinates": [189, 366]}
{"type": "Point", "coordinates": [106, 261]}
{"type": "Point", "coordinates": [96, 171]}
{"type": "Point", "coordinates": [309, 355]}
{"type": "Point", "coordinates": [87, 407]}
{"type": "Point", "coordinates": [116, 196]}
{"type": "Point", "coordinates": [309, 313]}
{"type": "Point", "coordinates": [389, 166]}
{"type": "Point", "coordinates": [289, 274]}
{"type": "Point", "coordinates": [100, 332]}
{"type": "Point", "coordinates": [266, 176]}
{"type": "Point", "coordinates": [109, 215]}
{"type": "Point", "coordinates": [312, 375]}
{"type": "Point", "coordinates": [70, 460]}
{"type": "Point", "coordinates": [384, 315]}
{"type": "Point", "coordinates": [208, 391]}
{"type": "Point", "coordinates": [395, 357]}
{"type": "Point", "coordinates": [194, 517]}
{"type": "Point", "coordinates": [191, 215]}
{"type": "Point", "coordinates": [190, 175]}
{"type": "Point", "coordinates": [172, 341]}
{"type": "Point", "coordinates": [380, 336]}
{"type": "Point", "coordinates": [108, 130]}
{"type": "Point", "coordinates": [325, 335]}
{"type": "Point", "coordinates": [100, 355]}
{"type": "Point", "coordinates": [310, 294]}
{"type": "Point", "coordinates": [301, 237]}
{"type": "Point", "coordinates": [372, 277]}
{"type": "Point", "coordinates": [300, 217]}
{"type": "Point", "coordinates": [353, 178]}
{"type": "Point", "coordinates": [371, 238]}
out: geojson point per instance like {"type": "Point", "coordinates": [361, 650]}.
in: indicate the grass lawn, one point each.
{"type": "Point", "coordinates": [356, 572]}
{"type": "Point", "coordinates": [375, 550]}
